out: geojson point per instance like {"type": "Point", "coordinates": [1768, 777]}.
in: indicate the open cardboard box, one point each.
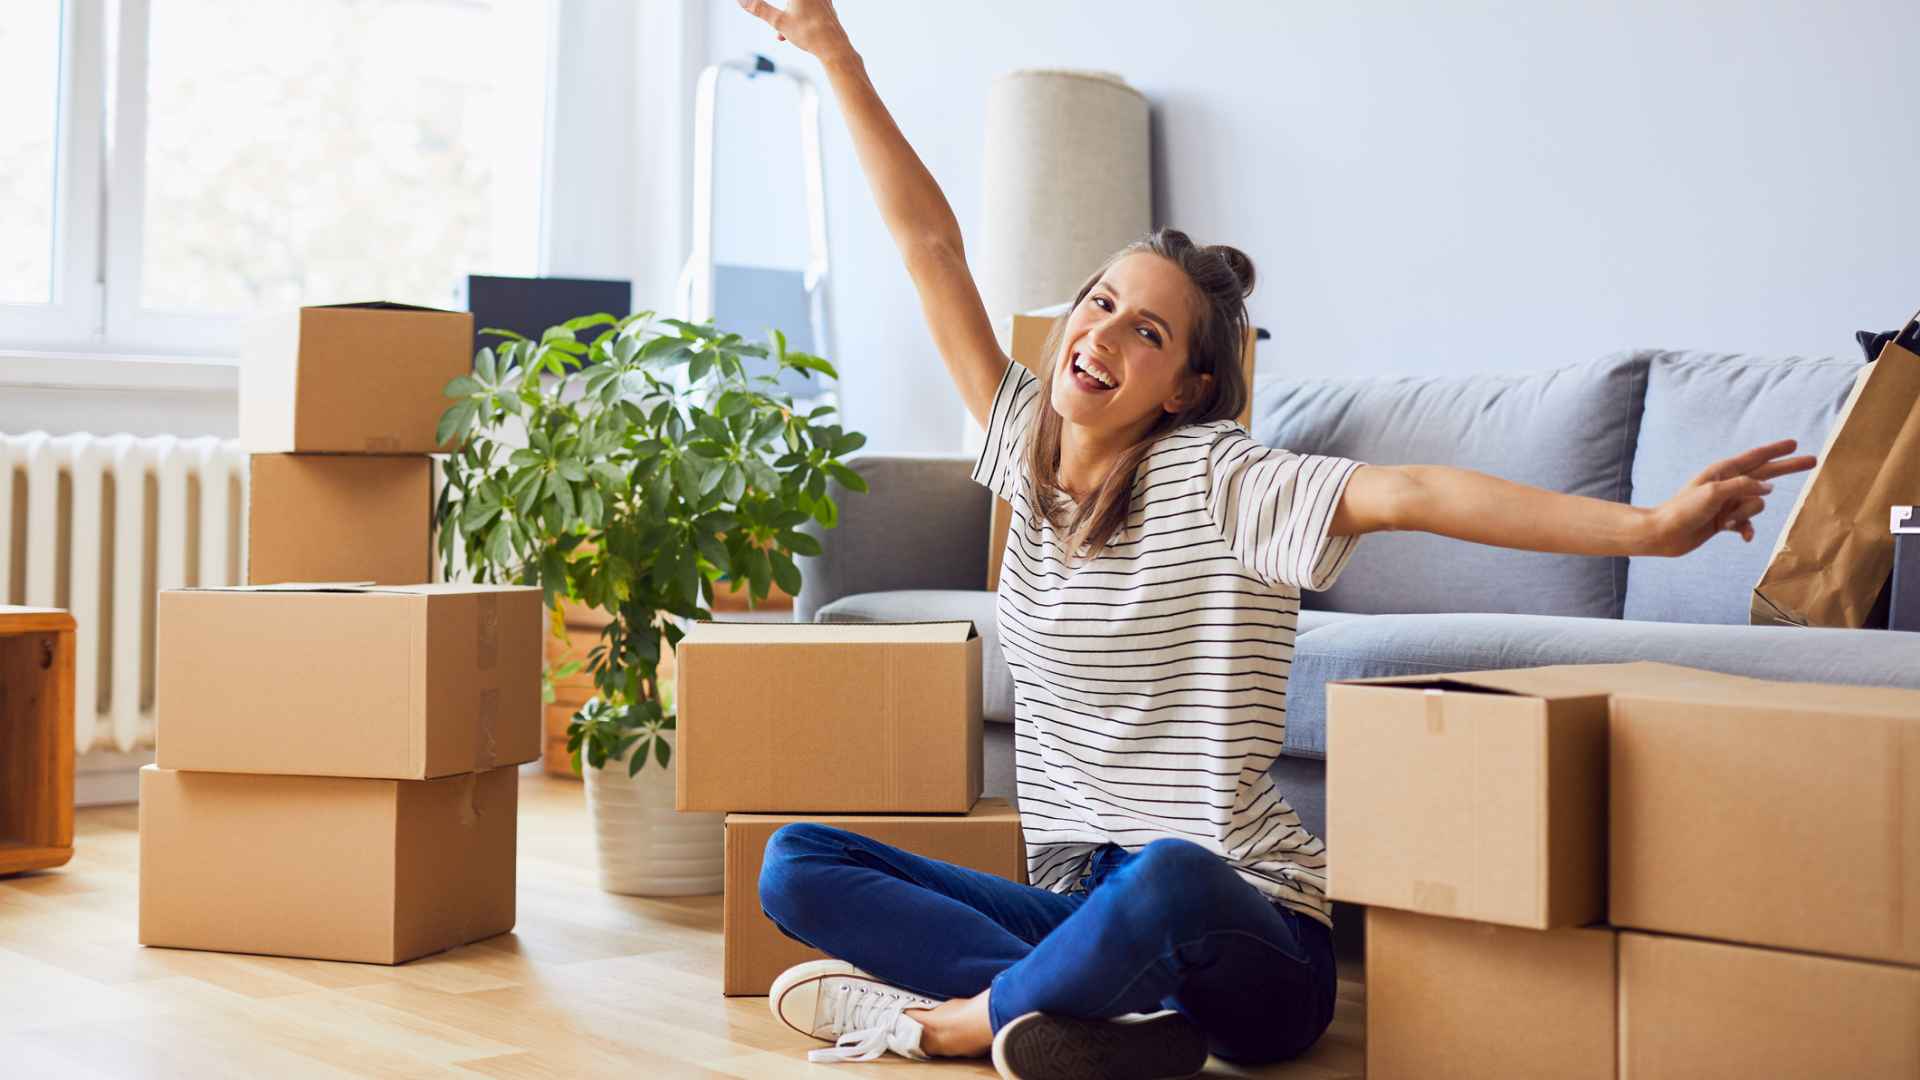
{"type": "Point", "coordinates": [366, 378]}
{"type": "Point", "coordinates": [829, 717]}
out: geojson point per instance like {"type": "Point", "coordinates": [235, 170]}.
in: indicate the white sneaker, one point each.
{"type": "Point", "coordinates": [838, 1003]}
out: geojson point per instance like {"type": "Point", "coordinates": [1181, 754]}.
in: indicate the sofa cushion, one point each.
{"type": "Point", "coordinates": [1701, 408]}
{"type": "Point", "coordinates": [1571, 429]}
{"type": "Point", "coordinates": [975, 605]}
{"type": "Point", "coordinates": [1429, 644]}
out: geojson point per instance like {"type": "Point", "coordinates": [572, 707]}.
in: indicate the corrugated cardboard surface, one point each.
{"type": "Point", "coordinates": [1479, 795]}
{"type": "Point", "coordinates": [988, 839]}
{"type": "Point", "coordinates": [339, 517]}
{"type": "Point", "coordinates": [822, 718]}
{"type": "Point", "coordinates": [1449, 998]}
{"type": "Point", "coordinates": [378, 871]}
{"type": "Point", "coordinates": [403, 682]}
{"type": "Point", "coordinates": [1700, 1010]}
{"type": "Point", "coordinates": [1029, 350]}
{"type": "Point", "coordinates": [352, 378]}
{"type": "Point", "coordinates": [1773, 814]}
{"type": "Point", "coordinates": [1464, 801]}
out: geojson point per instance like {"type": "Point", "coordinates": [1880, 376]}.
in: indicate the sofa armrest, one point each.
{"type": "Point", "coordinates": [922, 524]}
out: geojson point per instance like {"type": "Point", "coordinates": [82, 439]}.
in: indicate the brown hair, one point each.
{"type": "Point", "coordinates": [1222, 277]}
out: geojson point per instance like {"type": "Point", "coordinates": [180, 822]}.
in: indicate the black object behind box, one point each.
{"type": "Point", "coordinates": [529, 305]}
{"type": "Point", "coordinates": [1904, 612]}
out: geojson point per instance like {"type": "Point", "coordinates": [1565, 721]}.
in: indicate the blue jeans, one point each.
{"type": "Point", "coordinates": [1171, 926]}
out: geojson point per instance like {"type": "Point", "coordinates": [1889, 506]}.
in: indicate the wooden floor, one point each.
{"type": "Point", "coordinates": [590, 984]}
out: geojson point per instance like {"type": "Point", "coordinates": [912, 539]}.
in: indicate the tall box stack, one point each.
{"type": "Point", "coordinates": [1637, 869]}
{"type": "Point", "coordinates": [335, 771]}
{"type": "Point", "coordinates": [339, 410]}
{"type": "Point", "coordinates": [872, 728]}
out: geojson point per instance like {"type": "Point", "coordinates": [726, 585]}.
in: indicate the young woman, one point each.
{"type": "Point", "coordinates": [1147, 609]}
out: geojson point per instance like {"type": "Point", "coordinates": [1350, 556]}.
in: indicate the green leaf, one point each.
{"type": "Point", "coordinates": [699, 367]}
{"type": "Point", "coordinates": [638, 761]}
{"type": "Point", "coordinates": [735, 484]}
{"type": "Point", "coordinates": [715, 551]}
{"type": "Point", "coordinates": [511, 335]}
{"type": "Point", "coordinates": [483, 363]}
{"type": "Point", "coordinates": [799, 543]}
{"type": "Point", "coordinates": [572, 470]}
{"type": "Point", "coordinates": [826, 512]}
{"type": "Point", "coordinates": [463, 386]}
{"type": "Point", "coordinates": [582, 322]}
{"type": "Point", "coordinates": [661, 752]}
{"type": "Point", "coordinates": [785, 574]}
{"type": "Point", "coordinates": [848, 443]}
{"type": "Point", "coordinates": [455, 421]}
{"type": "Point", "coordinates": [848, 479]}
{"type": "Point", "coordinates": [556, 333]}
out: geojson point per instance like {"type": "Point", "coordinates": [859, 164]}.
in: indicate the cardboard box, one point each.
{"type": "Point", "coordinates": [988, 839]}
{"type": "Point", "coordinates": [1029, 348]}
{"type": "Point", "coordinates": [335, 517]}
{"type": "Point", "coordinates": [1699, 1010]}
{"type": "Point", "coordinates": [1448, 998]}
{"type": "Point", "coordinates": [820, 718]}
{"type": "Point", "coordinates": [402, 682]}
{"type": "Point", "coordinates": [352, 379]}
{"type": "Point", "coordinates": [1480, 795]}
{"type": "Point", "coordinates": [1775, 814]}
{"type": "Point", "coordinates": [378, 871]}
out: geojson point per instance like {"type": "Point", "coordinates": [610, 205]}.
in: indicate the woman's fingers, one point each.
{"type": "Point", "coordinates": [1755, 458]}
{"type": "Point", "coordinates": [763, 11]}
{"type": "Point", "coordinates": [1785, 466]}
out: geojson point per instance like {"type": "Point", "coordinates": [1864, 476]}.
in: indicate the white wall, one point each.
{"type": "Point", "coordinates": [1423, 186]}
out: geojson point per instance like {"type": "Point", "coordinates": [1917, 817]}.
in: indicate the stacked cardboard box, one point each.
{"type": "Point", "coordinates": [1633, 869]}
{"type": "Point", "coordinates": [339, 408]}
{"type": "Point", "coordinates": [335, 773]}
{"type": "Point", "coordinates": [872, 728]}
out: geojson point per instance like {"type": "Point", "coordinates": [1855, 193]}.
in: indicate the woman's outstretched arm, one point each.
{"type": "Point", "coordinates": [915, 210]}
{"type": "Point", "coordinates": [1467, 505]}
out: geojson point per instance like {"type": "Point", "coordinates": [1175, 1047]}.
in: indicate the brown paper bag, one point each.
{"type": "Point", "coordinates": [1834, 555]}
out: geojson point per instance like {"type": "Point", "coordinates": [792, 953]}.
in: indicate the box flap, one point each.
{"type": "Point", "coordinates": [293, 586]}
{"type": "Point", "coordinates": [1569, 680]}
{"type": "Point", "coordinates": [386, 305]}
{"type": "Point", "coordinates": [893, 633]}
{"type": "Point", "coordinates": [1889, 702]}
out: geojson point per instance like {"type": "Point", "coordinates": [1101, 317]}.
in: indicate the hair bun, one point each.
{"type": "Point", "coordinates": [1238, 262]}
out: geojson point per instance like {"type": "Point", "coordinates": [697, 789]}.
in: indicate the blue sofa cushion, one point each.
{"type": "Point", "coordinates": [1572, 429]}
{"type": "Point", "coordinates": [1431, 644]}
{"type": "Point", "coordinates": [1703, 407]}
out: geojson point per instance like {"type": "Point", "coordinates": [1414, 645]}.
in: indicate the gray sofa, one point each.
{"type": "Point", "coordinates": [1631, 427]}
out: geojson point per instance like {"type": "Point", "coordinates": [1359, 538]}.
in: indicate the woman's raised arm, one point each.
{"type": "Point", "coordinates": [915, 210]}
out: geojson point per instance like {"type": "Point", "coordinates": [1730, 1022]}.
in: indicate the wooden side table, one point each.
{"type": "Point", "coordinates": [36, 738]}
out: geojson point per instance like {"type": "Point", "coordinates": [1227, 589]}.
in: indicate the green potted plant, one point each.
{"type": "Point", "coordinates": [636, 472]}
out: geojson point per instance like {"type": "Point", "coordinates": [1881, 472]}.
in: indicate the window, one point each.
{"type": "Point", "coordinates": [259, 156]}
{"type": "Point", "coordinates": [29, 126]}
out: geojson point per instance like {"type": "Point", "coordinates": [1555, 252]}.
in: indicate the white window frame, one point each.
{"type": "Point", "coordinates": [99, 216]}
{"type": "Point", "coordinates": [73, 315]}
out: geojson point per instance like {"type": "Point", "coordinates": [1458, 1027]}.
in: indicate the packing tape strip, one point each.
{"type": "Point", "coordinates": [487, 629]}
{"type": "Point", "coordinates": [469, 800]}
{"type": "Point", "coordinates": [486, 723]}
{"type": "Point", "coordinates": [1436, 720]}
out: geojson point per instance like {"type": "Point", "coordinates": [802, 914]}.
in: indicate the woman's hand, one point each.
{"type": "Point", "coordinates": [1724, 498]}
{"type": "Point", "coordinates": [810, 24]}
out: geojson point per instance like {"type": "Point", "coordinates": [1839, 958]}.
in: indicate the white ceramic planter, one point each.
{"type": "Point", "coordinates": [646, 847]}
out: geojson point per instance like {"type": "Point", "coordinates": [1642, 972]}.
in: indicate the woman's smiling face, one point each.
{"type": "Point", "coordinates": [1123, 357]}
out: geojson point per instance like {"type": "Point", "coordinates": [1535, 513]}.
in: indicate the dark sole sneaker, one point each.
{"type": "Point", "coordinates": [1038, 1046]}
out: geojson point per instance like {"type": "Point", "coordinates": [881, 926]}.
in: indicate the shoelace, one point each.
{"type": "Point", "coordinates": [867, 1019]}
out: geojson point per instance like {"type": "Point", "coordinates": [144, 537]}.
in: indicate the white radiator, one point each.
{"type": "Point", "coordinates": [98, 525]}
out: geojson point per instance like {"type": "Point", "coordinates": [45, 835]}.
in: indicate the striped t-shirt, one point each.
{"type": "Point", "coordinates": [1150, 682]}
